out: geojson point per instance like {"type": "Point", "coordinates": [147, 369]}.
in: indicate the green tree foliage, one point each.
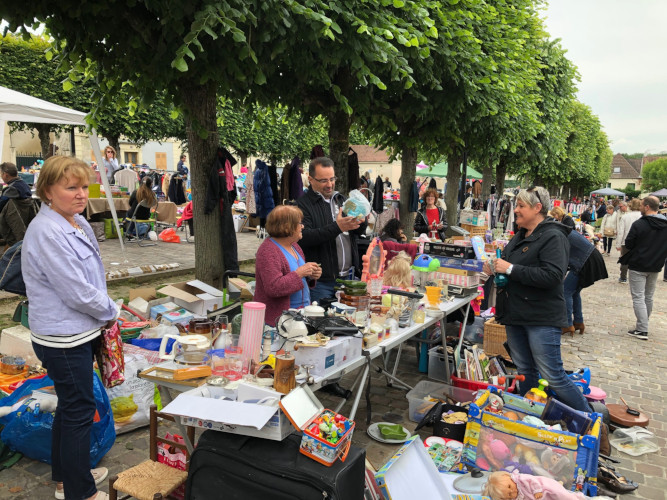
{"type": "Point", "coordinates": [26, 69]}
{"type": "Point", "coordinates": [195, 50]}
{"type": "Point", "coordinates": [654, 175]}
{"type": "Point", "coordinates": [630, 191]}
{"type": "Point", "coordinates": [475, 91]}
{"type": "Point", "coordinates": [274, 133]}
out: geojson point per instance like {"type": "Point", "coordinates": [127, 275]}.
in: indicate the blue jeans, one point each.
{"type": "Point", "coordinates": [322, 290]}
{"type": "Point", "coordinates": [573, 298]}
{"type": "Point", "coordinates": [536, 353]}
{"type": "Point", "coordinates": [72, 373]}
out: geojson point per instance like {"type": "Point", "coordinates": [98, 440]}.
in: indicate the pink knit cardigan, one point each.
{"type": "Point", "coordinates": [274, 280]}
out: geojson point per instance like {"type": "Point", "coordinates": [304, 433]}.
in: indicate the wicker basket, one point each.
{"type": "Point", "coordinates": [494, 337]}
{"type": "Point", "coordinates": [475, 230]}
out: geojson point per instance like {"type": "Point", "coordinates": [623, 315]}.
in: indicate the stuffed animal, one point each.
{"type": "Point", "coordinates": [493, 451]}
{"type": "Point", "coordinates": [510, 486]}
{"type": "Point", "coordinates": [495, 404]}
{"type": "Point", "coordinates": [559, 465]}
{"type": "Point", "coordinates": [525, 454]}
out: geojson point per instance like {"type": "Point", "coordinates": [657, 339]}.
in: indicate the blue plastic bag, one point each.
{"type": "Point", "coordinates": [29, 431]}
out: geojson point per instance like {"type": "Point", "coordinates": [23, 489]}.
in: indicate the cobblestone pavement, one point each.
{"type": "Point", "coordinates": [621, 365]}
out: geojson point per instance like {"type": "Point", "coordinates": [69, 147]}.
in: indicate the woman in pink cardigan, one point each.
{"type": "Point", "coordinates": [281, 269]}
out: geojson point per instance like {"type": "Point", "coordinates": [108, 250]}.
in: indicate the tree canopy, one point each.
{"type": "Point", "coordinates": [27, 70]}
{"type": "Point", "coordinates": [654, 175]}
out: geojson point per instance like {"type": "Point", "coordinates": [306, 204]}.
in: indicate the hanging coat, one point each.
{"type": "Point", "coordinates": [413, 204]}
{"type": "Point", "coordinates": [295, 182]}
{"type": "Point", "coordinates": [218, 196]}
{"type": "Point", "coordinates": [378, 201]}
{"type": "Point", "coordinates": [273, 176]}
{"type": "Point", "coordinates": [263, 195]}
{"type": "Point", "coordinates": [352, 169]}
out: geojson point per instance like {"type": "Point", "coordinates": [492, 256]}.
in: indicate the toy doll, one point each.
{"type": "Point", "coordinates": [399, 272]}
{"type": "Point", "coordinates": [515, 486]}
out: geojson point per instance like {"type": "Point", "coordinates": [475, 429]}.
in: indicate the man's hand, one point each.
{"type": "Point", "coordinates": [347, 223]}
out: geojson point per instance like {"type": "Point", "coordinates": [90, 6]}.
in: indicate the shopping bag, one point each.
{"type": "Point", "coordinates": [28, 428]}
{"type": "Point", "coordinates": [169, 235]}
{"type": "Point", "coordinates": [109, 355]}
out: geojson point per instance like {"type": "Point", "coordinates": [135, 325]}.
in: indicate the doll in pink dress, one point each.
{"type": "Point", "coordinates": [515, 486]}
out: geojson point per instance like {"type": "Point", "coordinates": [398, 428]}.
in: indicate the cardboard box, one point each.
{"type": "Point", "coordinates": [178, 316]}
{"type": "Point", "coordinates": [143, 299]}
{"type": "Point", "coordinates": [197, 410]}
{"type": "Point", "coordinates": [459, 272]}
{"type": "Point", "coordinates": [336, 352]}
{"type": "Point", "coordinates": [457, 279]}
{"type": "Point", "coordinates": [195, 296]}
{"type": "Point", "coordinates": [163, 308]}
{"type": "Point", "coordinates": [411, 474]}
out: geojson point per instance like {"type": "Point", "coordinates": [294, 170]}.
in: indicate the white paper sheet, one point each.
{"type": "Point", "coordinates": [228, 412]}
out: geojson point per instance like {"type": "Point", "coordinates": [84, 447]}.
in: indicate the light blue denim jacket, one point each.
{"type": "Point", "coordinates": [64, 276]}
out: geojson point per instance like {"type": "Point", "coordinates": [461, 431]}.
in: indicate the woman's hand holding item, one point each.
{"type": "Point", "coordinates": [317, 273]}
{"type": "Point", "coordinates": [488, 267]}
{"type": "Point", "coordinates": [500, 266]}
{"type": "Point", "coordinates": [308, 270]}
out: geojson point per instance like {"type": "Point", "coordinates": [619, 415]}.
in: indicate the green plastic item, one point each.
{"type": "Point", "coordinates": [394, 431]}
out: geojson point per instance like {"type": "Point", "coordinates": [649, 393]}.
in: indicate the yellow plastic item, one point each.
{"type": "Point", "coordinates": [94, 191]}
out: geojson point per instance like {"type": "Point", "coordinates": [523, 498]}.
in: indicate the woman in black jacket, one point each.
{"type": "Point", "coordinates": [531, 305]}
{"type": "Point", "coordinates": [431, 217]}
{"type": "Point", "coordinates": [561, 216]}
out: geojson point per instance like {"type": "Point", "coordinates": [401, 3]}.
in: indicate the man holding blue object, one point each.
{"type": "Point", "coordinates": [329, 236]}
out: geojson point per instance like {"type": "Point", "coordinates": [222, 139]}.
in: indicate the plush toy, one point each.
{"type": "Point", "coordinates": [559, 465]}
{"type": "Point", "coordinates": [525, 454]}
{"type": "Point", "coordinates": [510, 486]}
{"type": "Point", "coordinates": [493, 453]}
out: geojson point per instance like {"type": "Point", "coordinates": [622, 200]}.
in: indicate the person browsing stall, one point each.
{"type": "Point", "coordinates": [431, 216]}
{"type": "Point", "coordinates": [15, 188]}
{"type": "Point", "coordinates": [142, 200]}
{"type": "Point", "coordinates": [65, 280]}
{"type": "Point", "coordinates": [282, 274]}
{"type": "Point", "coordinates": [559, 214]}
{"type": "Point", "coordinates": [329, 236]}
{"type": "Point", "coordinates": [531, 305]}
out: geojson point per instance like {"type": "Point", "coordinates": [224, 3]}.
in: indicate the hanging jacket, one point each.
{"type": "Point", "coordinates": [413, 199]}
{"type": "Point", "coordinates": [284, 184]}
{"type": "Point", "coordinates": [378, 192]}
{"type": "Point", "coordinates": [273, 176]}
{"type": "Point", "coordinates": [352, 169]}
{"type": "Point", "coordinates": [295, 182]}
{"type": "Point", "coordinates": [263, 194]}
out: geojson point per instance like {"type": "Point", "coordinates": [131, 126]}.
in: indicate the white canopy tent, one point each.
{"type": "Point", "coordinates": [18, 107]}
{"type": "Point", "coordinates": [608, 192]}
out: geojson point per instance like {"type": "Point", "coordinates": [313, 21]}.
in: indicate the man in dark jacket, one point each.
{"type": "Point", "coordinates": [647, 245]}
{"type": "Point", "coordinates": [329, 237]}
{"type": "Point", "coordinates": [601, 210]}
{"type": "Point", "coordinates": [15, 188]}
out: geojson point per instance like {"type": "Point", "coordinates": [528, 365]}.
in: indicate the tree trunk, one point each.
{"type": "Point", "coordinates": [501, 171]}
{"type": "Point", "coordinates": [487, 180]}
{"type": "Point", "coordinates": [199, 102]}
{"type": "Point", "coordinates": [44, 134]}
{"type": "Point", "coordinates": [452, 195]}
{"type": "Point", "coordinates": [407, 179]}
{"type": "Point", "coordinates": [244, 158]}
{"type": "Point", "coordinates": [339, 144]}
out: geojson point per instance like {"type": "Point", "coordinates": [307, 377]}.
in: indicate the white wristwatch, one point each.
{"type": "Point", "coordinates": [509, 270]}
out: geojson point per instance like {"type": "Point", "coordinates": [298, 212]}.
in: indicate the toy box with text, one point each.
{"type": "Point", "coordinates": [509, 435]}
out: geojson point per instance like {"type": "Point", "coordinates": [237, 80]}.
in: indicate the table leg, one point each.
{"type": "Point", "coordinates": [357, 396]}
{"type": "Point", "coordinates": [457, 353]}
{"type": "Point", "coordinates": [443, 338]}
{"type": "Point", "coordinates": [352, 389]}
{"type": "Point", "coordinates": [165, 395]}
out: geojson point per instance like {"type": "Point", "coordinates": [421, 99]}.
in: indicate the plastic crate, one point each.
{"type": "Point", "coordinates": [418, 406]}
{"type": "Point", "coordinates": [473, 385]}
{"type": "Point", "coordinates": [436, 364]}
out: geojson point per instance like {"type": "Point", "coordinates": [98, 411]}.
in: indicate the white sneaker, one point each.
{"type": "Point", "coordinates": [99, 475]}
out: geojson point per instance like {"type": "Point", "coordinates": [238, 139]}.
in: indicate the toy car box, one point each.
{"type": "Point", "coordinates": [502, 441]}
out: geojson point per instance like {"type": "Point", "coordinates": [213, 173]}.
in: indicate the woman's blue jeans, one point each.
{"type": "Point", "coordinates": [573, 298]}
{"type": "Point", "coordinates": [72, 373]}
{"type": "Point", "coordinates": [536, 353]}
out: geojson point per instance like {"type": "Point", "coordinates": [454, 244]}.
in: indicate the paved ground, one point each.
{"type": "Point", "coordinates": [621, 365]}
